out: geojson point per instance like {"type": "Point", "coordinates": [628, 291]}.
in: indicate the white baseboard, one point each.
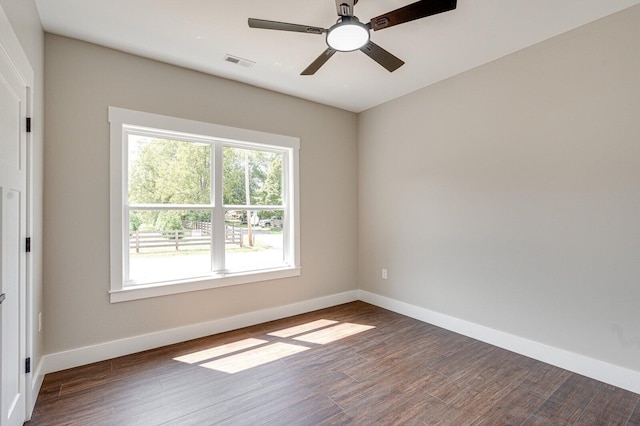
{"type": "Point", "coordinates": [103, 351]}
{"type": "Point", "coordinates": [599, 370]}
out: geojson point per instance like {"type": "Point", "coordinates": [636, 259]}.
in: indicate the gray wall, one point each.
{"type": "Point", "coordinates": [509, 196]}
{"type": "Point", "coordinates": [82, 80]}
{"type": "Point", "coordinates": [25, 22]}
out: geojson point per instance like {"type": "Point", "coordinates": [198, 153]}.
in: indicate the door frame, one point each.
{"type": "Point", "coordinates": [10, 43]}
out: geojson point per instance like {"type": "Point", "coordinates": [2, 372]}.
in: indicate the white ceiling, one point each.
{"type": "Point", "coordinates": [197, 34]}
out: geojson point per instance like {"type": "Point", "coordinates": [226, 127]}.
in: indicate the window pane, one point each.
{"type": "Point", "coordinates": [167, 245]}
{"type": "Point", "coordinates": [259, 172]}
{"type": "Point", "coordinates": [163, 171]}
{"type": "Point", "coordinates": [258, 239]}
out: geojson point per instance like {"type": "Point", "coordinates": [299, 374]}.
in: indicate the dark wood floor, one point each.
{"type": "Point", "coordinates": [352, 364]}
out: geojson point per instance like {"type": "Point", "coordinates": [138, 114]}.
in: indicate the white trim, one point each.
{"type": "Point", "coordinates": [218, 251]}
{"type": "Point", "coordinates": [11, 48]}
{"type": "Point", "coordinates": [294, 200]}
{"type": "Point", "coordinates": [200, 128]}
{"type": "Point", "coordinates": [599, 370]}
{"type": "Point", "coordinates": [37, 378]}
{"type": "Point", "coordinates": [103, 351]}
{"type": "Point", "coordinates": [125, 121]}
{"type": "Point", "coordinates": [11, 45]}
{"type": "Point", "coordinates": [196, 284]}
{"type": "Point", "coordinates": [31, 329]}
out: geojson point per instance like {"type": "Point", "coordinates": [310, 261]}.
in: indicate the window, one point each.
{"type": "Point", "coordinates": [196, 205]}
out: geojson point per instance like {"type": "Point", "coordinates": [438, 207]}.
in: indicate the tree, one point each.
{"type": "Point", "coordinates": [169, 220]}
{"type": "Point", "coordinates": [134, 221]}
{"type": "Point", "coordinates": [235, 177]}
{"type": "Point", "coordinates": [167, 171]}
{"type": "Point", "coordinates": [170, 172]}
{"type": "Point", "coordinates": [233, 187]}
{"type": "Point", "coordinates": [271, 191]}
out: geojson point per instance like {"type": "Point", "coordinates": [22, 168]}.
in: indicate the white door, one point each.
{"type": "Point", "coordinates": [13, 93]}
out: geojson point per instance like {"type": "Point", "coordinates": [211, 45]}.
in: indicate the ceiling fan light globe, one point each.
{"type": "Point", "coordinates": [347, 36]}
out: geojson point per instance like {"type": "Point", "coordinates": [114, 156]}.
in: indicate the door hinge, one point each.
{"type": "Point", "coordinates": [28, 124]}
{"type": "Point", "coordinates": [27, 365]}
{"type": "Point", "coordinates": [28, 245]}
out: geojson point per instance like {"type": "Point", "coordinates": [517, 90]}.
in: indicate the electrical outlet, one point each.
{"type": "Point", "coordinates": [384, 273]}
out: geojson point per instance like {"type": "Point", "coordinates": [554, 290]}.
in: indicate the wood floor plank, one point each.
{"type": "Point", "coordinates": [634, 419]}
{"type": "Point", "coordinates": [362, 371]}
{"type": "Point", "coordinates": [544, 379]}
{"type": "Point", "coordinates": [320, 381]}
{"type": "Point", "coordinates": [612, 405]}
{"type": "Point", "coordinates": [354, 364]}
{"type": "Point", "coordinates": [568, 402]}
{"type": "Point", "coordinates": [514, 408]}
{"type": "Point", "coordinates": [310, 411]}
{"type": "Point", "coordinates": [396, 409]}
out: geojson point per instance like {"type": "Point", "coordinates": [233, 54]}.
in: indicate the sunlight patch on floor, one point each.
{"type": "Point", "coordinates": [249, 353]}
{"type": "Point", "coordinates": [303, 328]}
{"type": "Point", "coordinates": [196, 357]}
{"type": "Point", "coordinates": [254, 357]}
{"type": "Point", "coordinates": [331, 334]}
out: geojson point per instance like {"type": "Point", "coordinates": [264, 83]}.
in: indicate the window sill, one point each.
{"type": "Point", "coordinates": [201, 283]}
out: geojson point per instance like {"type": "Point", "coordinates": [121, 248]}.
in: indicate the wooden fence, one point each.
{"type": "Point", "coordinates": [181, 238]}
{"type": "Point", "coordinates": [205, 227]}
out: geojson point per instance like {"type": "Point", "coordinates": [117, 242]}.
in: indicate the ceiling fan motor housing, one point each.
{"type": "Point", "coordinates": [348, 34]}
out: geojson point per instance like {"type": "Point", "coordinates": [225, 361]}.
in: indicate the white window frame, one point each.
{"type": "Point", "coordinates": [122, 121]}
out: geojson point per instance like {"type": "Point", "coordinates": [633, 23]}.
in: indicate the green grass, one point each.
{"type": "Point", "coordinates": [258, 228]}
{"type": "Point", "coordinates": [164, 251]}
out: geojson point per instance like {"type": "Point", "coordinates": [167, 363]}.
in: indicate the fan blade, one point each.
{"type": "Point", "coordinates": [417, 10]}
{"type": "Point", "coordinates": [284, 26]}
{"type": "Point", "coordinates": [381, 56]}
{"type": "Point", "coordinates": [320, 61]}
{"type": "Point", "coordinates": [345, 7]}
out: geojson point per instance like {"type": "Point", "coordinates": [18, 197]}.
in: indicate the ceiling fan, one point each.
{"type": "Point", "coordinates": [349, 34]}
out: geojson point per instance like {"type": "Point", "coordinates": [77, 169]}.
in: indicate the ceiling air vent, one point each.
{"type": "Point", "coordinates": [239, 61]}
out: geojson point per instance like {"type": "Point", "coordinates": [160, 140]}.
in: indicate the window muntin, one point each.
{"type": "Point", "coordinates": [180, 205]}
